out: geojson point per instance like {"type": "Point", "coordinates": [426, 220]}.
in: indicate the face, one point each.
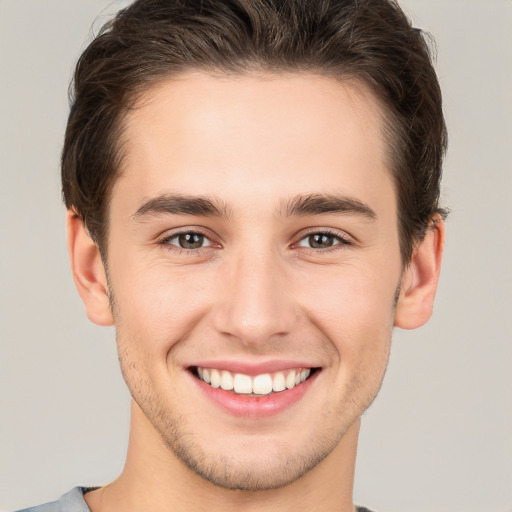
{"type": "Point", "coordinates": [253, 245]}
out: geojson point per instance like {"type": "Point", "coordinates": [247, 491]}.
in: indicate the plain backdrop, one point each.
{"type": "Point", "coordinates": [439, 436]}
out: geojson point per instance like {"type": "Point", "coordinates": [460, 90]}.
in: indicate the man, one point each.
{"type": "Point", "coordinates": [252, 190]}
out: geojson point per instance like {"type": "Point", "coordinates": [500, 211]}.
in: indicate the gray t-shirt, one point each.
{"type": "Point", "coordinates": [73, 501]}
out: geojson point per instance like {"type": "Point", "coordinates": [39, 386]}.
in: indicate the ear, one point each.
{"type": "Point", "coordinates": [419, 282]}
{"type": "Point", "coordinates": [88, 271]}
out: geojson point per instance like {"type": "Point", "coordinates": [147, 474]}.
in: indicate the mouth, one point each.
{"type": "Point", "coordinates": [261, 385]}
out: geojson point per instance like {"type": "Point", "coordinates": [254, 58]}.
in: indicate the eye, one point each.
{"type": "Point", "coordinates": [188, 240]}
{"type": "Point", "coordinates": [322, 240]}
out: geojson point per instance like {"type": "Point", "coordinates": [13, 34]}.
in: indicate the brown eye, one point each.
{"type": "Point", "coordinates": [189, 240]}
{"type": "Point", "coordinates": [322, 241]}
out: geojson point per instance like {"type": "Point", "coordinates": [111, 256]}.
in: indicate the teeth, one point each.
{"type": "Point", "coordinates": [278, 382]}
{"type": "Point", "coordinates": [215, 378]}
{"type": "Point", "coordinates": [226, 381]}
{"type": "Point", "coordinates": [290, 380]}
{"type": "Point", "coordinates": [263, 384]}
{"type": "Point", "coordinates": [242, 383]}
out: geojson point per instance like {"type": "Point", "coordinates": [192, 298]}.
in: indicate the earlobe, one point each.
{"type": "Point", "coordinates": [420, 279]}
{"type": "Point", "coordinates": [88, 271]}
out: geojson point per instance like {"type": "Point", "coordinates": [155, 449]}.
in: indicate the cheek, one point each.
{"type": "Point", "coordinates": [156, 306]}
{"type": "Point", "coordinates": [354, 309]}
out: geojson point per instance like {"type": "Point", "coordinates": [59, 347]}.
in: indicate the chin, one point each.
{"type": "Point", "coordinates": [250, 475]}
{"type": "Point", "coordinates": [254, 464]}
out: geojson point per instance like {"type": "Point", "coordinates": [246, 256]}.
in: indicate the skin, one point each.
{"type": "Point", "coordinates": [255, 291]}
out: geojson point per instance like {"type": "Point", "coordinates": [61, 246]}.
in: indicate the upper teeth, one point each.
{"type": "Point", "coordinates": [262, 384]}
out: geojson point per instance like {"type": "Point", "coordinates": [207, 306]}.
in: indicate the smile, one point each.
{"type": "Point", "coordinates": [257, 385]}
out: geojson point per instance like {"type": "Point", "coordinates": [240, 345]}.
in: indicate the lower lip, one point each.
{"type": "Point", "coordinates": [255, 406]}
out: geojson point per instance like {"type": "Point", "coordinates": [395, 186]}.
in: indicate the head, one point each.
{"type": "Point", "coordinates": [260, 180]}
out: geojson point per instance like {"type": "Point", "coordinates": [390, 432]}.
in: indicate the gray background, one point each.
{"type": "Point", "coordinates": [438, 438]}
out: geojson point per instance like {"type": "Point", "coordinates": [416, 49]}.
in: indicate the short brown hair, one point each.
{"type": "Point", "coordinates": [369, 40]}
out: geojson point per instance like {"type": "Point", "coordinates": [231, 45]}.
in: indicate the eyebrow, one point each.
{"type": "Point", "coordinates": [308, 205]}
{"type": "Point", "coordinates": [179, 204]}
{"type": "Point", "coordinates": [318, 204]}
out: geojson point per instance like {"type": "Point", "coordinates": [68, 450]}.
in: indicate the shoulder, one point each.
{"type": "Point", "coordinates": [72, 501]}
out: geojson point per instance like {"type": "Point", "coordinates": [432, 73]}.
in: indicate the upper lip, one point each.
{"type": "Point", "coordinates": [253, 368]}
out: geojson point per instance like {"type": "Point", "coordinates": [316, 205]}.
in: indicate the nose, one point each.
{"type": "Point", "coordinates": [255, 303]}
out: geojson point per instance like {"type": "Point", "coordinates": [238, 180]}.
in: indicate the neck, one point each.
{"type": "Point", "coordinates": [155, 479]}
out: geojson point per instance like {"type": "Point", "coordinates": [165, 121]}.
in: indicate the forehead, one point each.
{"type": "Point", "coordinates": [245, 137]}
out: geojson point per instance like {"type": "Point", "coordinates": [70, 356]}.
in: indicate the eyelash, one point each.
{"type": "Point", "coordinates": [166, 242]}
{"type": "Point", "coordinates": [342, 241]}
